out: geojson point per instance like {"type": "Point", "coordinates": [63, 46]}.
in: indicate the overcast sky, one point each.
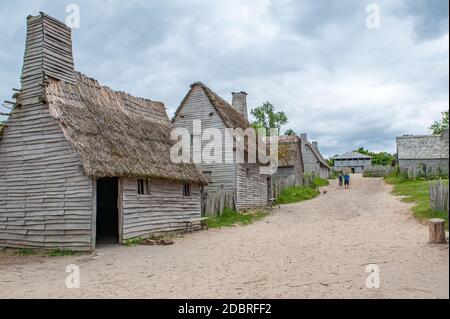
{"type": "Point", "coordinates": [343, 83]}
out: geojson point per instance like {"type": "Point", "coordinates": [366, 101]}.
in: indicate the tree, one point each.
{"type": "Point", "coordinates": [266, 117]}
{"type": "Point", "coordinates": [439, 126]}
{"type": "Point", "coordinates": [290, 132]}
{"type": "Point", "coordinates": [381, 158]}
{"type": "Point", "coordinates": [330, 161]}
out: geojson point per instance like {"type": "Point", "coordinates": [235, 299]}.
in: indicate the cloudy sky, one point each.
{"type": "Point", "coordinates": [343, 83]}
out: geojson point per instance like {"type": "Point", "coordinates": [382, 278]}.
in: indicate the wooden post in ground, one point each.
{"type": "Point", "coordinates": [437, 231]}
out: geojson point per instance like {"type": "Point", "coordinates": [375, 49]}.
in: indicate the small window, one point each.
{"type": "Point", "coordinates": [187, 189]}
{"type": "Point", "coordinates": [144, 187]}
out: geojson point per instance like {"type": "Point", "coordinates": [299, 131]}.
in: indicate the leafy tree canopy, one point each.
{"type": "Point", "coordinates": [290, 132]}
{"type": "Point", "coordinates": [381, 158]}
{"type": "Point", "coordinates": [266, 117]}
{"type": "Point", "coordinates": [439, 126]}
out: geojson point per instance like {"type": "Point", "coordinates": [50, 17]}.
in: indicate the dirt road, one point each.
{"type": "Point", "coordinates": [314, 249]}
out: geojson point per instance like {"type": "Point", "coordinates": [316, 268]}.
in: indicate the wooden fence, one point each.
{"type": "Point", "coordinates": [280, 184]}
{"type": "Point", "coordinates": [377, 171]}
{"type": "Point", "coordinates": [439, 196]}
{"type": "Point", "coordinates": [213, 204]}
{"type": "Point", "coordinates": [421, 170]}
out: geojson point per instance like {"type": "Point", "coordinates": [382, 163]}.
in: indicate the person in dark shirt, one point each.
{"type": "Point", "coordinates": [340, 178]}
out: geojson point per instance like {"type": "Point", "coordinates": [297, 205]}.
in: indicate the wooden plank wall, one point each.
{"type": "Point", "coordinates": [45, 199]}
{"type": "Point", "coordinates": [252, 188]}
{"type": "Point", "coordinates": [198, 106]}
{"type": "Point", "coordinates": [164, 209]}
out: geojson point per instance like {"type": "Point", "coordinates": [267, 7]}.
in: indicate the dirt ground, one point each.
{"type": "Point", "coordinates": [314, 249]}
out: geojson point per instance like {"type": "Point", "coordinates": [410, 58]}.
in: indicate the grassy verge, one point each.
{"type": "Point", "coordinates": [416, 191]}
{"type": "Point", "coordinates": [297, 194]}
{"type": "Point", "coordinates": [230, 217]}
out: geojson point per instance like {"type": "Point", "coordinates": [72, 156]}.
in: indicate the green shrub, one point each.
{"type": "Point", "coordinates": [296, 194]}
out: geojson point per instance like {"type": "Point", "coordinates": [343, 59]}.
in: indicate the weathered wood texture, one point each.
{"type": "Point", "coordinates": [215, 203]}
{"type": "Point", "coordinates": [280, 184]}
{"type": "Point", "coordinates": [251, 187]}
{"type": "Point", "coordinates": [437, 231]}
{"type": "Point", "coordinates": [198, 107]}
{"type": "Point", "coordinates": [439, 200]}
{"type": "Point", "coordinates": [312, 161]}
{"type": "Point", "coordinates": [164, 209]}
{"type": "Point", "coordinates": [45, 200]}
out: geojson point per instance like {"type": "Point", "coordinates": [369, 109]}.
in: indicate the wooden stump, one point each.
{"type": "Point", "coordinates": [437, 231]}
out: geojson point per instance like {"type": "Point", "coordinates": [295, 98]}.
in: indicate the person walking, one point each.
{"type": "Point", "coordinates": [346, 180]}
{"type": "Point", "coordinates": [340, 178]}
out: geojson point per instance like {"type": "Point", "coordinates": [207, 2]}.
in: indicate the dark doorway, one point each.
{"type": "Point", "coordinates": [353, 171]}
{"type": "Point", "coordinates": [107, 211]}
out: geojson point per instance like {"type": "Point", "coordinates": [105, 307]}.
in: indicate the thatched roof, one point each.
{"type": "Point", "coordinates": [115, 133]}
{"type": "Point", "coordinates": [231, 117]}
{"type": "Point", "coordinates": [288, 147]}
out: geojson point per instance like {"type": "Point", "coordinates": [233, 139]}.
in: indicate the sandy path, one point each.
{"type": "Point", "coordinates": [314, 249]}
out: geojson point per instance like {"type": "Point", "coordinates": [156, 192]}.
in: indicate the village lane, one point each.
{"type": "Point", "coordinates": [314, 249]}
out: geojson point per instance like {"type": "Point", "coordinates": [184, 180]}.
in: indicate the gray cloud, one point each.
{"type": "Point", "coordinates": [344, 84]}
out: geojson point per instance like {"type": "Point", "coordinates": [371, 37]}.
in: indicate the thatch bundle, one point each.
{"type": "Point", "coordinates": [115, 133]}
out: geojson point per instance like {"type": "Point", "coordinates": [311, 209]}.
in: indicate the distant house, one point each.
{"type": "Point", "coordinates": [313, 161]}
{"type": "Point", "coordinates": [81, 163]}
{"type": "Point", "coordinates": [201, 103]}
{"type": "Point", "coordinates": [353, 162]}
{"type": "Point", "coordinates": [427, 153]}
{"type": "Point", "coordinates": [290, 161]}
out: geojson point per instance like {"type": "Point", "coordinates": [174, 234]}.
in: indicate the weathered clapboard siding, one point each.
{"type": "Point", "coordinates": [198, 107]}
{"type": "Point", "coordinates": [45, 200]}
{"type": "Point", "coordinates": [164, 209]}
{"type": "Point", "coordinates": [251, 186]}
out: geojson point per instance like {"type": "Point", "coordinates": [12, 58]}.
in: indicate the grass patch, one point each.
{"type": "Point", "coordinates": [133, 241]}
{"type": "Point", "coordinates": [230, 218]}
{"type": "Point", "coordinates": [416, 191]}
{"type": "Point", "coordinates": [296, 194]}
{"type": "Point", "coordinates": [61, 252]}
{"type": "Point", "coordinates": [24, 252]}
{"type": "Point", "coordinates": [319, 182]}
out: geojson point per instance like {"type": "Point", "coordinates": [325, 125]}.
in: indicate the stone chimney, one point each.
{"type": "Point", "coordinates": [240, 102]}
{"type": "Point", "coordinates": [314, 143]}
{"type": "Point", "coordinates": [48, 55]}
{"type": "Point", "coordinates": [304, 136]}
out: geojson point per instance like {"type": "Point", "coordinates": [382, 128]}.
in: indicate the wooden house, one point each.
{"type": "Point", "coordinates": [201, 103]}
{"type": "Point", "coordinates": [81, 163]}
{"type": "Point", "coordinates": [313, 161]}
{"type": "Point", "coordinates": [352, 162]}
{"type": "Point", "coordinates": [290, 160]}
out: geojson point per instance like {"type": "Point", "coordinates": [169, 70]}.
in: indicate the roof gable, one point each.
{"type": "Point", "coordinates": [229, 115]}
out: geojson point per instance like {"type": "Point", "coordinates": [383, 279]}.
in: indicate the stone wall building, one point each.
{"type": "Point", "coordinates": [352, 162]}
{"type": "Point", "coordinates": [425, 153]}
